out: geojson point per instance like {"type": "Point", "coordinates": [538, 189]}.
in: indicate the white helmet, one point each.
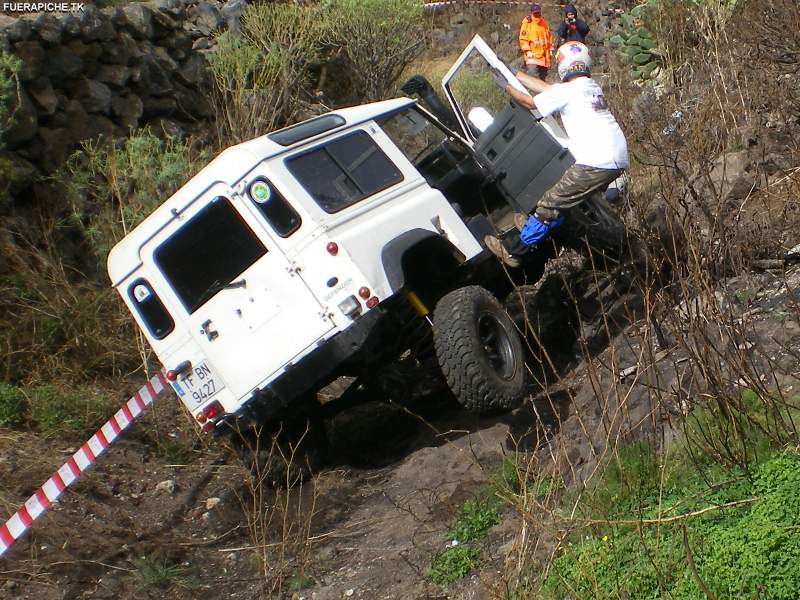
{"type": "Point", "coordinates": [573, 59]}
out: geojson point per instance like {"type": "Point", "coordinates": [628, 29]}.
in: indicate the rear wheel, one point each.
{"type": "Point", "coordinates": [479, 350]}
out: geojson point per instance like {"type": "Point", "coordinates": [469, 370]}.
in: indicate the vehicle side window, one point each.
{"type": "Point", "coordinates": [150, 308]}
{"type": "Point", "coordinates": [276, 210]}
{"type": "Point", "coordinates": [344, 171]}
{"type": "Point", "coordinates": [209, 251]}
{"type": "Point", "coordinates": [413, 133]}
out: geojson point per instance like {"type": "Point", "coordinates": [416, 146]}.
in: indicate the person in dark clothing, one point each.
{"type": "Point", "coordinates": [572, 29]}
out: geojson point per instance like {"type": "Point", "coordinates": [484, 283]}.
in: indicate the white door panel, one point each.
{"type": "Point", "coordinates": [253, 328]}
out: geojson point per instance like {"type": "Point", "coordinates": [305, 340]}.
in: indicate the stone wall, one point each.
{"type": "Point", "coordinates": [101, 72]}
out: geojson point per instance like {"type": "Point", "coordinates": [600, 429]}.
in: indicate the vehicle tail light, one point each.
{"type": "Point", "coordinates": [350, 307]}
{"type": "Point", "coordinates": [372, 302]}
{"type": "Point", "coordinates": [364, 292]}
{"type": "Point", "coordinates": [173, 374]}
{"type": "Point", "coordinates": [332, 248]}
{"type": "Point", "coordinates": [213, 410]}
{"type": "Point", "coordinates": [208, 417]}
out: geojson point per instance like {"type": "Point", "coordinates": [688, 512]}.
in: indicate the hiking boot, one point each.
{"type": "Point", "coordinates": [519, 220]}
{"type": "Point", "coordinates": [496, 247]}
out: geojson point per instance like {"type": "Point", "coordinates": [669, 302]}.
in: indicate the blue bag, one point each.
{"type": "Point", "coordinates": [535, 231]}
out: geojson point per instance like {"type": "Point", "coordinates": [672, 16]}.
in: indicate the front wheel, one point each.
{"type": "Point", "coordinates": [479, 350]}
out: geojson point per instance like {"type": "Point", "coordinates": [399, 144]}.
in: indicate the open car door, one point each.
{"type": "Point", "coordinates": [524, 152]}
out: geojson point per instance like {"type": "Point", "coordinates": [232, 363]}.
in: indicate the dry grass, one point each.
{"type": "Point", "coordinates": [712, 199]}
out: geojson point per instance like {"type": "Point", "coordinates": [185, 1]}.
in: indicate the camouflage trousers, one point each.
{"type": "Point", "coordinates": [576, 183]}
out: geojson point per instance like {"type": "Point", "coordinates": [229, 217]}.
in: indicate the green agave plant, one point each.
{"type": "Point", "coordinates": [636, 45]}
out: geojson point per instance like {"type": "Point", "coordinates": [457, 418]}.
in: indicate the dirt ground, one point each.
{"type": "Point", "coordinates": [369, 524]}
{"type": "Point", "coordinates": [373, 524]}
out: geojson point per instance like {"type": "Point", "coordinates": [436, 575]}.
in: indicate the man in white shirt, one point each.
{"type": "Point", "coordinates": [596, 142]}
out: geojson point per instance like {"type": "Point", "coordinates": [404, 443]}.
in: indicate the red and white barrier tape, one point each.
{"type": "Point", "coordinates": [79, 462]}
{"type": "Point", "coordinates": [437, 4]}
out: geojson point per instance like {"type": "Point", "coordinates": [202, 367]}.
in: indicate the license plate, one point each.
{"type": "Point", "coordinates": [199, 386]}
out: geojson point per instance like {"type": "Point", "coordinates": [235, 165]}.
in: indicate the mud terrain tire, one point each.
{"type": "Point", "coordinates": [479, 350]}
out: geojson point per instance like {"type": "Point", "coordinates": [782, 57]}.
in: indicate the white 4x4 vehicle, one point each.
{"type": "Point", "coordinates": [319, 251]}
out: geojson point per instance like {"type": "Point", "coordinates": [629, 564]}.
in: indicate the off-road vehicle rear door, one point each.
{"type": "Point", "coordinates": [525, 153]}
{"type": "Point", "coordinates": [232, 287]}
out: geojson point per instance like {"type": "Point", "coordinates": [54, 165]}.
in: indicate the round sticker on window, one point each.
{"type": "Point", "coordinates": [261, 192]}
{"type": "Point", "coordinates": [141, 293]}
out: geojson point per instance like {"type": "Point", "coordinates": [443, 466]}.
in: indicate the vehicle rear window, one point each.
{"type": "Point", "coordinates": [213, 248]}
{"type": "Point", "coordinates": [344, 171]}
{"type": "Point", "coordinates": [150, 308]}
{"type": "Point", "coordinates": [274, 207]}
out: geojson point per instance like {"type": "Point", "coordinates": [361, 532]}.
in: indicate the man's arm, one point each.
{"type": "Point", "coordinates": [521, 98]}
{"type": "Point", "coordinates": [534, 84]}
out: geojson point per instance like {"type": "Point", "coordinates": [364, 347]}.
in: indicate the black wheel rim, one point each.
{"type": "Point", "coordinates": [496, 344]}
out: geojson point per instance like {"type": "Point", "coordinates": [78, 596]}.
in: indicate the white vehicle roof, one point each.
{"type": "Point", "coordinates": [228, 168]}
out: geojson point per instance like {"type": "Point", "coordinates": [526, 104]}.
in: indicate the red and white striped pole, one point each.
{"type": "Point", "coordinates": [79, 462]}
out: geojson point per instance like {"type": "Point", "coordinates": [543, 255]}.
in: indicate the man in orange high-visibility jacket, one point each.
{"type": "Point", "coordinates": [536, 42]}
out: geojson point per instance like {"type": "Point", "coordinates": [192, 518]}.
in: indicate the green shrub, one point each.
{"type": "Point", "coordinates": [746, 551]}
{"type": "Point", "coordinates": [161, 573]}
{"type": "Point", "coordinates": [377, 39]}
{"type": "Point", "coordinates": [475, 518]}
{"type": "Point", "coordinates": [259, 78]}
{"type": "Point", "coordinates": [67, 412]}
{"type": "Point", "coordinates": [654, 31]}
{"type": "Point", "coordinates": [453, 564]}
{"type": "Point", "coordinates": [12, 405]}
{"type": "Point", "coordinates": [113, 186]}
{"type": "Point", "coordinates": [741, 430]}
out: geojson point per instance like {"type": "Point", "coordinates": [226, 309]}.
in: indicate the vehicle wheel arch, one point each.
{"type": "Point", "coordinates": [399, 256]}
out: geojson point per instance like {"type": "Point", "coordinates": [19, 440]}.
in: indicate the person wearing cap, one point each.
{"type": "Point", "coordinates": [572, 29]}
{"type": "Point", "coordinates": [595, 139]}
{"type": "Point", "coordinates": [536, 42]}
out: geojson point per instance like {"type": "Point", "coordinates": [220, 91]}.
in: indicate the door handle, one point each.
{"type": "Point", "coordinates": [206, 330]}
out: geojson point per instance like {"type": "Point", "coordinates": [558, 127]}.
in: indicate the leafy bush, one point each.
{"type": "Point", "coordinates": [259, 77]}
{"type": "Point", "coordinates": [453, 564]}
{"type": "Point", "coordinates": [161, 573]}
{"type": "Point", "coordinates": [56, 329]}
{"type": "Point", "coordinates": [113, 186]}
{"type": "Point", "coordinates": [475, 518]}
{"type": "Point", "coordinates": [659, 32]}
{"type": "Point", "coordinates": [12, 405]}
{"type": "Point", "coordinates": [741, 430]}
{"type": "Point", "coordinates": [748, 550]}
{"type": "Point", "coordinates": [67, 412]}
{"type": "Point", "coordinates": [377, 39]}
{"type": "Point", "coordinates": [54, 410]}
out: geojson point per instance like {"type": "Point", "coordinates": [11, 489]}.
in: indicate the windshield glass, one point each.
{"type": "Point", "coordinates": [413, 133]}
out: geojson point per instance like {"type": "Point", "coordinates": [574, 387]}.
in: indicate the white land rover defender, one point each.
{"type": "Point", "coordinates": [339, 245]}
